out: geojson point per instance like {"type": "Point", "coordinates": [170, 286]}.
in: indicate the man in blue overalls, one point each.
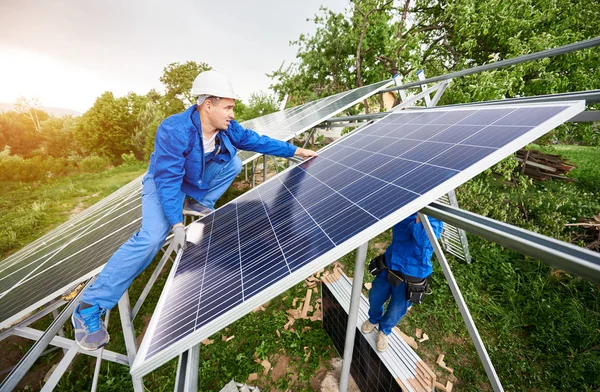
{"type": "Point", "coordinates": [402, 276]}
{"type": "Point", "coordinates": [195, 157]}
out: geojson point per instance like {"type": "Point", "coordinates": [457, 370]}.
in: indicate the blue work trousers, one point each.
{"type": "Point", "coordinates": [380, 292]}
{"type": "Point", "coordinates": [137, 253]}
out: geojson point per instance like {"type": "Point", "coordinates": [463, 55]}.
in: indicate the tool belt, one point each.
{"type": "Point", "coordinates": [416, 288]}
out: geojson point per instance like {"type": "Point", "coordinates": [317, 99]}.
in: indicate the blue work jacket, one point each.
{"type": "Point", "coordinates": [410, 251]}
{"type": "Point", "coordinates": [177, 163]}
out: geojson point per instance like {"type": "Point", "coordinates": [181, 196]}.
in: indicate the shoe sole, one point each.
{"type": "Point", "coordinates": [82, 346]}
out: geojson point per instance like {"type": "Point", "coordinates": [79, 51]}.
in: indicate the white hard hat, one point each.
{"type": "Point", "coordinates": [213, 83]}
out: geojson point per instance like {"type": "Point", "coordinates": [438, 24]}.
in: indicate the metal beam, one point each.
{"type": "Point", "coordinates": [165, 257]}
{"type": "Point", "coordinates": [129, 337]}
{"type": "Point", "coordinates": [462, 306]}
{"type": "Point", "coordinates": [34, 334]}
{"type": "Point", "coordinates": [34, 317]}
{"type": "Point", "coordinates": [590, 43]}
{"type": "Point", "coordinates": [357, 281]}
{"type": "Point", "coordinates": [61, 368]}
{"type": "Point", "coordinates": [590, 97]}
{"type": "Point", "coordinates": [12, 380]}
{"type": "Point", "coordinates": [587, 116]}
{"type": "Point", "coordinates": [186, 379]}
{"type": "Point", "coordinates": [558, 254]}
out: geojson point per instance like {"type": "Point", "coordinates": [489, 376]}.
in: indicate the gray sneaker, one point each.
{"type": "Point", "coordinates": [192, 207]}
{"type": "Point", "coordinates": [90, 330]}
{"type": "Point", "coordinates": [367, 327]}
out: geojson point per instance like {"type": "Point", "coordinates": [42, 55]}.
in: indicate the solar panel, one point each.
{"type": "Point", "coordinates": [80, 247]}
{"type": "Point", "coordinates": [286, 124]}
{"type": "Point", "coordinates": [277, 234]}
{"type": "Point", "coordinates": [68, 254]}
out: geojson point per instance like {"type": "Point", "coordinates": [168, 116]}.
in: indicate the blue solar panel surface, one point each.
{"type": "Point", "coordinates": [268, 233]}
{"type": "Point", "coordinates": [286, 124]}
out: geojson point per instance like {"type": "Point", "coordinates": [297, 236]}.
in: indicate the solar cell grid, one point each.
{"type": "Point", "coordinates": [293, 235]}
{"type": "Point", "coordinates": [52, 264]}
{"type": "Point", "coordinates": [286, 124]}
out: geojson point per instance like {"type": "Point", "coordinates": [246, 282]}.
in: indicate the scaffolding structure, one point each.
{"type": "Point", "coordinates": [555, 253]}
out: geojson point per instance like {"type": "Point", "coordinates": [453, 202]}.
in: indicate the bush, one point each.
{"type": "Point", "coordinates": [93, 164]}
{"type": "Point", "coordinates": [15, 168]}
{"type": "Point", "coordinates": [129, 159]}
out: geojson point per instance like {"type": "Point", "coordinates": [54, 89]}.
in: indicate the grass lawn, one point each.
{"type": "Point", "coordinates": [541, 326]}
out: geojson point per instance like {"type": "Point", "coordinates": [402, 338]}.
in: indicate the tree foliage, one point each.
{"type": "Point", "coordinates": [177, 79]}
{"type": "Point", "coordinates": [108, 128]}
{"type": "Point", "coordinates": [259, 104]}
{"type": "Point", "coordinates": [375, 39]}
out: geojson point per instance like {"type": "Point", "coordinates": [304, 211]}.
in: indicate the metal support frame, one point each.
{"type": "Point", "coordinates": [558, 254]}
{"type": "Point", "coordinates": [51, 336]}
{"type": "Point", "coordinates": [61, 368]}
{"type": "Point", "coordinates": [421, 77]}
{"type": "Point", "coordinates": [186, 379]}
{"type": "Point", "coordinates": [310, 135]}
{"type": "Point", "coordinates": [11, 381]}
{"type": "Point", "coordinates": [34, 317]}
{"type": "Point", "coordinates": [165, 257]}
{"type": "Point", "coordinates": [462, 306]}
{"type": "Point", "coordinates": [275, 163]}
{"type": "Point", "coordinates": [57, 341]}
{"type": "Point", "coordinates": [99, 359]}
{"type": "Point", "coordinates": [129, 336]}
{"type": "Point", "coordinates": [264, 168]}
{"type": "Point", "coordinates": [357, 281]}
{"type": "Point", "coordinates": [461, 233]}
{"type": "Point", "coordinates": [590, 43]}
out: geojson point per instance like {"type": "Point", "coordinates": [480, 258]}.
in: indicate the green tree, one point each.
{"type": "Point", "coordinates": [484, 32]}
{"type": "Point", "coordinates": [108, 127]}
{"type": "Point", "coordinates": [259, 104]}
{"type": "Point", "coordinates": [30, 108]}
{"type": "Point", "coordinates": [19, 133]}
{"type": "Point", "coordinates": [57, 135]}
{"type": "Point", "coordinates": [177, 79]}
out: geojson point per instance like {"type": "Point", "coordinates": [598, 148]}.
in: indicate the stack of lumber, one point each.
{"type": "Point", "coordinates": [591, 233]}
{"type": "Point", "coordinates": [540, 166]}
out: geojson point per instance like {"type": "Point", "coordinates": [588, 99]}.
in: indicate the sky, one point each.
{"type": "Point", "coordinates": [67, 53]}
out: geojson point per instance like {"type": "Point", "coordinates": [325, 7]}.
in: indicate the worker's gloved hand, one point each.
{"type": "Point", "coordinates": [179, 237]}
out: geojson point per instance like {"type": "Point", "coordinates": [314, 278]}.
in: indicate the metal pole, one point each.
{"type": "Point", "coordinates": [186, 379]}
{"type": "Point", "coordinates": [61, 368]}
{"type": "Point", "coordinates": [165, 257]}
{"type": "Point", "coordinates": [264, 168]}
{"type": "Point", "coordinates": [462, 306]}
{"type": "Point", "coordinates": [33, 318]}
{"type": "Point", "coordinates": [558, 254]}
{"type": "Point", "coordinates": [253, 173]}
{"type": "Point", "coordinates": [504, 63]}
{"type": "Point", "coordinates": [129, 336]}
{"type": "Point", "coordinates": [99, 359]}
{"type": "Point", "coordinates": [359, 272]}
{"type": "Point", "coordinates": [11, 381]}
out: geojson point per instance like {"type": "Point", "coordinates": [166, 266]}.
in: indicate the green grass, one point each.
{"type": "Point", "coordinates": [588, 161]}
{"type": "Point", "coordinates": [541, 326]}
{"type": "Point", "coordinates": [32, 209]}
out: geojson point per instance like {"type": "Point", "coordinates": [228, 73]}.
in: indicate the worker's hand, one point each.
{"type": "Point", "coordinates": [304, 153]}
{"type": "Point", "coordinates": [179, 237]}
